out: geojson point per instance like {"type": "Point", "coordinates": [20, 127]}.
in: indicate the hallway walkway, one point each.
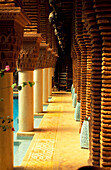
{"type": "Point", "coordinates": [56, 144]}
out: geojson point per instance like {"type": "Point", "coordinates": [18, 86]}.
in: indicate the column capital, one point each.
{"type": "Point", "coordinates": [49, 57]}
{"type": "Point", "coordinates": [28, 55]}
{"type": "Point", "coordinates": [32, 36]}
{"type": "Point", "coordinates": [12, 22]}
{"type": "Point", "coordinates": [49, 50]}
{"type": "Point", "coordinates": [10, 3]}
{"type": "Point", "coordinates": [41, 61]}
{"type": "Point", "coordinates": [14, 13]}
{"type": "Point", "coordinates": [44, 46]}
{"type": "Point", "coordinates": [55, 57]}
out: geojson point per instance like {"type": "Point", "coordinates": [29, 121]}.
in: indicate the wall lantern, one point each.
{"type": "Point", "coordinates": [56, 32]}
{"type": "Point", "coordinates": [60, 42]}
{"type": "Point", "coordinates": [51, 17]}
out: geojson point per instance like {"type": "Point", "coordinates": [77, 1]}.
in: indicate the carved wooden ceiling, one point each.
{"type": "Point", "coordinates": [63, 16]}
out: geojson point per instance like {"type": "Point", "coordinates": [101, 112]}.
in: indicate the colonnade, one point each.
{"type": "Point", "coordinates": [30, 102]}
{"type": "Point", "coordinates": [31, 99]}
{"type": "Point", "coordinates": [33, 69]}
{"type": "Point", "coordinates": [91, 56]}
{"type": "Point", "coordinates": [22, 48]}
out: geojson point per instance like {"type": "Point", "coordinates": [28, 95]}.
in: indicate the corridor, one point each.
{"type": "Point", "coordinates": [56, 143]}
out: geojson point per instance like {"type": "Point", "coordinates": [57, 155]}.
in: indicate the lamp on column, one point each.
{"type": "Point", "coordinates": [56, 32]}
{"type": "Point", "coordinates": [52, 17]}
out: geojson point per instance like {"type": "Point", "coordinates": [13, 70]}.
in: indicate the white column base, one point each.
{"type": "Point", "coordinates": [38, 91]}
{"type": "Point", "coordinates": [45, 85]}
{"type": "Point", "coordinates": [26, 102]}
{"type": "Point", "coordinates": [49, 81]}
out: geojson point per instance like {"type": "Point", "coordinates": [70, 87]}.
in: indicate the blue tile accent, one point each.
{"type": "Point", "coordinates": [74, 101]}
{"type": "Point", "coordinates": [21, 143]}
{"type": "Point", "coordinates": [73, 92]}
{"type": "Point", "coordinates": [77, 112]}
{"type": "Point", "coordinates": [84, 136]}
{"type": "Point", "coordinates": [71, 88]}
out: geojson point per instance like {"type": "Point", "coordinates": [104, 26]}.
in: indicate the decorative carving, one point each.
{"type": "Point", "coordinates": [12, 22]}
{"type": "Point", "coordinates": [41, 61]}
{"type": "Point", "coordinates": [12, 3]}
{"type": "Point", "coordinates": [49, 57]}
{"type": "Point", "coordinates": [55, 57]}
{"type": "Point", "coordinates": [28, 55]}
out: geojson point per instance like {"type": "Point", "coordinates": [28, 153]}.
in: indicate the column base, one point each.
{"type": "Point", "coordinates": [71, 88]}
{"type": "Point", "coordinates": [84, 136]}
{"type": "Point", "coordinates": [89, 162]}
{"type": "Point", "coordinates": [45, 85]}
{"type": "Point", "coordinates": [73, 92]}
{"type": "Point", "coordinates": [39, 114]}
{"type": "Point", "coordinates": [25, 135]}
{"type": "Point", "coordinates": [74, 101]}
{"type": "Point", "coordinates": [77, 112]}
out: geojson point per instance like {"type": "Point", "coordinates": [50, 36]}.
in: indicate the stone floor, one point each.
{"type": "Point", "coordinates": [56, 143]}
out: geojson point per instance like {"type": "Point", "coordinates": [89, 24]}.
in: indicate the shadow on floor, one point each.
{"type": "Point", "coordinates": [60, 93]}
{"type": "Point", "coordinates": [60, 102]}
{"type": "Point", "coordinates": [69, 112]}
{"type": "Point", "coordinates": [54, 129]}
{"type": "Point", "coordinates": [19, 168]}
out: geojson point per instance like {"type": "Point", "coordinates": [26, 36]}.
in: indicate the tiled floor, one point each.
{"type": "Point", "coordinates": [56, 144]}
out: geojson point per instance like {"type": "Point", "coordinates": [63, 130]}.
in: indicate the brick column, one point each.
{"type": "Point", "coordinates": [103, 15]}
{"type": "Point", "coordinates": [50, 57]}
{"type": "Point", "coordinates": [77, 109]}
{"type": "Point", "coordinates": [83, 50]}
{"type": "Point", "coordinates": [74, 66]}
{"type": "Point", "coordinates": [96, 46]}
